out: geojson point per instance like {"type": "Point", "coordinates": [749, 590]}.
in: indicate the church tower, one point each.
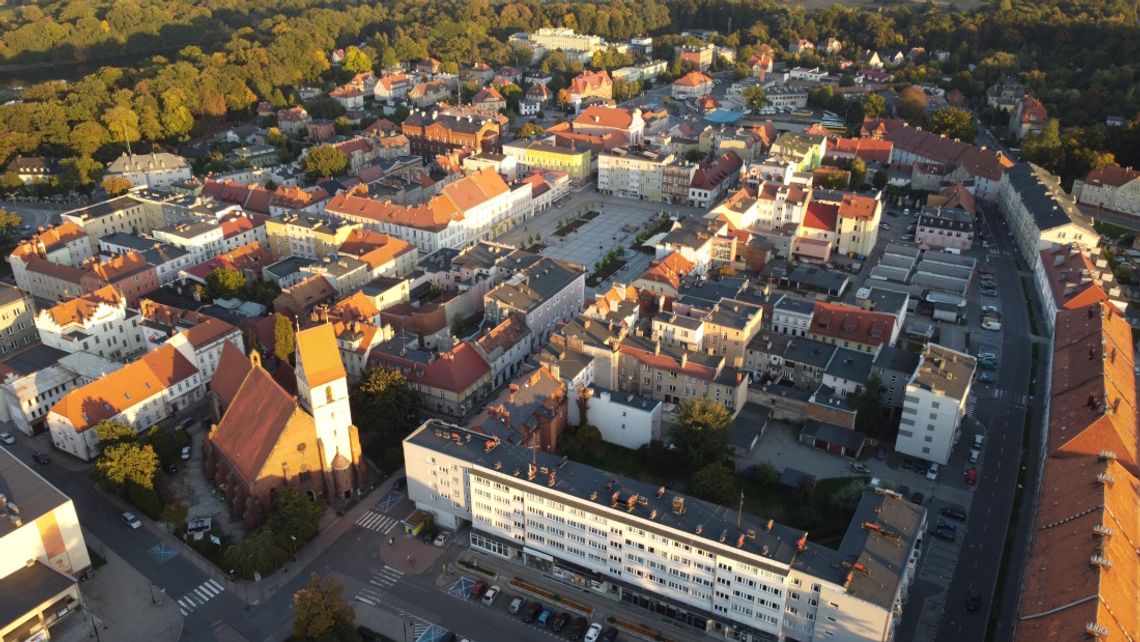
{"type": "Point", "coordinates": [322, 387]}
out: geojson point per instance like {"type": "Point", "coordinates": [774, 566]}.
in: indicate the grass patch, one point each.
{"type": "Point", "coordinates": [474, 567]}
{"type": "Point", "coordinates": [568, 228]}
{"type": "Point", "coordinates": [1110, 230]}
{"type": "Point", "coordinates": [608, 269]}
{"type": "Point", "coordinates": [589, 216]}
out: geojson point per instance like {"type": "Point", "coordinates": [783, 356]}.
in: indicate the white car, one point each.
{"type": "Point", "coordinates": [932, 472]}
{"type": "Point", "coordinates": [491, 594]}
{"type": "Point", "coordinates": [992, 325]}
{"type": "Point", "coordinates": [441, 539]}
{"type": "Point", "coordinates": [130, 520]}
{"type": "Point", "coordinates": [860, 468]}
{"type": "Point", "coordinates": [185, 452]}
{"type": "Point", "coordinates": [7, 438]}
{"type": "Point", "coordinates": [593, 632]}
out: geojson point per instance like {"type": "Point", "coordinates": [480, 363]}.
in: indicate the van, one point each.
{"type": "Point", "coordinates": [953, 250]}
{"type": "Point", "coordinates": [979, 439]}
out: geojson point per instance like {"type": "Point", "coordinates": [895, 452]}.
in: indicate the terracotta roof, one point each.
{"type": "Point", "coordinates": [602, 116]}
{"type": "Point", "coordinates": [318, 357]}
{"type": "Point", "coordinates": [1032, 110]}
{"type": "Point", "coordinates": [49, 239]}
{"type": "Point", "coordinates": [117, 391]}
{"type": "Point", "coordinates": [1112, 175]}
{"type": "Point", "coordinates": [709, 175]}
{"type": "Point", "coordinates": [692, 79]}
{"type": "Point", "coordinates": [251, 256]}
{"type": "Point", "coordinates": [590, 81]}
{"type": "Point", "coordinates": [356, 307]}
{"type": "Point", "coordinates": [450, 205]}
{"type": "Point", "coordinates": [454, 371]}
{"type": "Point", "coordinates": [233, 366]}
{"type": "Point", "coordinates": [299, 297]}
{"type": "Point", "coordinates": [821, 216]}
{"type": "Point", "coordinates": [977, 161]}
{"type": "Point", "coordinates": [668, 270]}
{"type": "Point", "coordinates": [82, 308]}
{"type": "Point", "coordinates": [120, 266]}
{"type": "Point", "coordinates": [234, 224]}
{"type": "Point", "coordinates": [255, 198]}
{"type": "Point", "coordinates": [501, 337]}
{"type": "Point", "coordinates": [869, 149]}
{"type": "Point", "coordinates": [667, 359]}
{"type": "Point", "coordinates": [488, 94]}
{"type": "Point", "coordinates": [253, 423]}
{"type": "Point", "coordinates": [209, 331]}
{"type": "Point", "coordinates": [374, 248]}
{"type": "Point", "coordinates": [855, 206]}
{"type": "Point", "coordinates": [848, 323]}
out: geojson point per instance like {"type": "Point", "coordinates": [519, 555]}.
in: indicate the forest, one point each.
{"type": "Point", "coordinates": [196, 64]}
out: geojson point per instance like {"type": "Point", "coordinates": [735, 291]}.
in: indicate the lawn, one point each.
{"type": "Point", "coordinates": [617, 459]}
{"type": "Point", "coordinates": [1111, 231]}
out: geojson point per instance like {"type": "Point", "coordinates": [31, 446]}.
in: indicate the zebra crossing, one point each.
{"type": "Point", "coordinates": [377, 522]}
{"type": "Point", "coordinates": [203, 593]}
{"type": "Point", "coordinates": [384, 578]}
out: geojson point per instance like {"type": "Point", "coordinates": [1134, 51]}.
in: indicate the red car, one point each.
{"type": "Point", "coordinates": [971, 476]}
{"type": "Point", "coordinates": [479, 589]}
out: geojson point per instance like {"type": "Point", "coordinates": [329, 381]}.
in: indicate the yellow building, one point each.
{"type": "Point", "coordinates": [531, 155]}
{"type": "Point", "coordinates": [307, 235]}
{"type": "Point", "coordinates": [858, 224]}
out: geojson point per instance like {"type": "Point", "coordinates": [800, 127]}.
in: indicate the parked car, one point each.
{"type": "Point", "coordinates": [972, 476]}
{"type": "Point", "coordinates": [559, 621]}
{"type": "Point", "coordinates": [973, 601]}
{"type": "Point", "coordinates": [945, 525]}
{"type": "Point", "coordinates": [41, 458]}
{"type": "Point", "coordinates": [491, 594]}
{"type": "Point", "coordinates": [130, 520]}
{"type": "Point", "coordinates": [186, 423]}
{"type": "Point", "coordinates": [953, 513]}
{"type": "Point", "coordinates": [987, 364]}
{"type": "Point", "coordinates": [610, 635]}
{"type": "Point", "coordinates": [860, 468]}
{"type": "Point", "coordinates": [531, 612]}
{"type": "Point", "coordinates": [594, 632]}
{"type": "Point", "coordinates": [995, 326]}
{"type": "Point", "coordinates": [479, 589]}
{"type": "Point", "coordinates": [885, 227]}
{"type": "Point", "coordinates": [576, 629]}
{"type": "Point", "coordinates": [516, 605]}
{"type": "Point", "coordinates": [544, 617]}
{"type": "Point", "coordinates": [979, 439]}
{"type": "Point", "coordinates": [932, 472]}
{"type": "Point", "coordinates": [985, 377]}
{"type": "Point", "coordinates": [185, 453]}
{"type": "Point", "coordinates": [441, 539]}
{"type": "Point", "coordinates": [946, 535]}
{"type": "Point", "coordinates": [991, 310]}
{"type": "Point", "coordinates": [170, 469]}
{"type": "Point", "coordinates": [975, 455]}
{"type": "Point", "coordinates": [7, 439]}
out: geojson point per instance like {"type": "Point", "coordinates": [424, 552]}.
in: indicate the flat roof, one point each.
{"type": "Point", "coordinates": [28, 587]}
{"type": "Point", "coordinates": [32, 495]}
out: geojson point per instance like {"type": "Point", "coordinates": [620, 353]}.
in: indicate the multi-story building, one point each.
{"type": "Point", "coordinates": [293, 121]}
{"type": "Point", "coordinates": [729, 327]}
{"type": "Point", "coordinates": [1040, 213]}
{"type": "Point", "coordinates": [385, 255]}
{"type": "Point", "coordinates": [554, 38]}
{"type": "Point", "coordinates": [792, 316]}
{"type": "Point", "coordinates": [1028, 116]}
{"type": "Point", "coordinates": [895, 367]}
{"type": "Point", "coordinates": [699, 57]}
{"type": "Point", "coordinates": [26, 397]}
{"type": "Point", "coordinates": [633, 172]}
{"type": "Point", "coordinates": [1110, 187]}
{"type": "Point", "coordinates": [307, 235]}
{"type": "Point", "coordinates": [65, 244]}
{"type": "Point", "coordinates": [435, 132]}
{"type": "Point", "coordinates": [166, 259]}
{"type": "Point", "coordinates": [673, 374]}
{"type": "Point", "coordinates": [543, 155]}
{"type": "Point", "coordinates": [451, 382]}
{"type": "Point", "coordinates": [707, 568]}
{"type": "Point", "coordinates": [140, 394]}
{"type": "Point", "coordinates": [857, 226]}
{"type": "Point", "coordinates": [204, 342]}
{"type": "Point", "coordinates": [712, 179]}
{"type": "Point", "coordinates": [98, 323]}
{"type": "Point", "coordinates": [943, 228]}
{"type": "Point", "coordinates": [202, 239]}
{"type": "Point", "coordinates": [693, 237]}
{"type": "Point", "coordinates": [545, 293]}
{"type": "Point", "coordinates": [465, 211]}
{"type": "Point", "coordinates": [692, 85]}
{"type": "Point", "coordinates": [599, 120]}
{"type": "Point", "coordinates": [806, 151]}
{"type": "Point", "coordinates": [126, 213]}
{"type": "Point", "coordinates": [591, 84]}
{"type": "Point", "coordinates": [17, 318]}
{"type": "Point", "coordinates": [156, 169]}
{"type": "Point", "coordinates": [934, 403]}
{"type": "Point", "coordinates": [43, 554]}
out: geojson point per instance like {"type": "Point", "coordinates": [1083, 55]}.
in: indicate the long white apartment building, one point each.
{"type": "Point", "coordinates": [934, 403]}
{"type": "Point", "coordinates": [706, 567]}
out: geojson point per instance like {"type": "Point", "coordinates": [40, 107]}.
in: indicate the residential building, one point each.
{"type": "Point", "coordinates": [44, 553]}
{"type": "Point", "coordinates": [545, 293]}
{"type": "Point", "coordinates": [851, 327]}
{"type": "Point", "coordinates": [712, 179]}
{"type": "Point", "coordinates": [1110, 187]}
{"type": "Point", "coordinates": [792, 316]}
{"type": "Point", "coordinates": [633, 172]}
{"type": "Point", "coordinates": [97, 323]}
{"type": "Point", "coordinates": [348, 96]}
{"type": "Point", "coordinates": [384, 254]}
{"type": "Point", "coordinates": [452, 382]}
{"type": "Point", "coordinates": [944, 228]}
{"type": "Point", "coordinates": [505, 347]}
{"type": "Point", "coordinates": [601, 120]}
{"type": "Point", "coordinates": [33, 170]}
{"type": "Point", "coordinates": [806, 151]}
{"type": "Point", "coordinates": [17, 319]}
{"type": "Point", "coordinates": [438, 131]}
{"type": "Point", "coordinates": [202, 239]}
{"type": "Point", "coordinates": [156, 169]}
{"type": "Point", "coordinates": [789, 96]}
{"type": "Point", "coordinates": [26, 396]}
{"type": "Point", "coordinates": [555, 38]}
{"type": "Point", "coordinates": [623, 418]}
{"type": "Point", "coordinates": [1072, 275]}
{"type": "Point", "coordinates": [140, 394]}
{"type": "Point", "coordinates": [307, 235]}
{"type": "Point", "coordinates": [65, 244]}
{"type": "Point", "coordinates": [728, 329]}
{"type": "Point", "coordinates": [1040, 213]}
{"type": "Point", "coordinates": [531, 412]}
{"type": "Point", "coordinates": [1028, 116]}
{"type": "Point", "coordinates": [166, 259]}
{"type": "Point", "coordinates": [857, 225]}
{"type": "Point", "coordinates": [934, 404]}
{"type": "Point", "coordinates": [293, 121]}
{"type": "Point", "coordinates": [545, 156]}
{"type": "Point", "coordinates": [392, 86]}
{"type": "Point", "coordinates": [673, 374]}
{"type": "Point", "coordinates": [1004, 94]}
{"type": "Point", "coordinates": [895, 367]}
{"type": "Point", "coordinates": [694, 238]}
{"type": "Point", "coordinates": [664, 275]}
{"type": "Point", "coordinates": [489, 101]}
{"type": "Point", "coordinates": [590, 84]}
{"type": "Point", "coordinates": [692, 85]}
{"type": "Point", "coordinates": [205, 342]}
{"type": "Point", "coordinates": [266, 439]}
{"type": "Point", "coordinates": [738, 572]}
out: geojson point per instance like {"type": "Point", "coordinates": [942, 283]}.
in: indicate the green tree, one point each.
{"type": "Point", "coordinates": [912, 104]}
{"type": "Point", "coordinates": [79, 171]}
{"type": "Point", "coordinates": [1045, 147]}
{"type": "Point", "coordinates": [715, 483]}
{"type": "Point", "coordinates": [955, 123]}
{"type": "Point", "coordinates": [356, 61]}
{"type": "Point", "coordinates": [879, 180]}
{"type": "Point", "coordinates": [858, 171]}
{"type": "Point", "coordinates": [847, 498]}
{"type": "Point", "coordinates": [116, 185]}
{"type": "Point", "coordinates": [224, 283]}
{"type": "Point", "coordinates": [875, 106]}
{"type": "Point", "coordinates": [702, 431]}
{"type": "Point", "coordinates": [324, 161]}
{"type": "Point", "coordinates": [87, 137]}
{"type": "Point", "coordinates": [388, 59]}
{"type": "Point", "coordinates": [11, 182]}
{"type": "Point", "coordinates": [765, 475]}
{"type": "Point", "coordinates": [754, 98]}
{"type": "Point", "coordinates": [868, 405]}
{"type": "Point", "coordinates": [128, 463]}
{"type": "Point", "coordinates": [531, 129]}
{"type": "Point", "coordinates": [385, 406]}
{"type": "Point", "coordinates": [9, 223]}
{"type": "Point", "coordinates": [110, 433]}
{"type": "Point", "coordinates": [261, 551]}
{"type": "Point", "coordinates": [320, 612]}
{"type": "Point", "coordinates": [284, 341]}
{"type": "Point", "coordinates": [295, 515]}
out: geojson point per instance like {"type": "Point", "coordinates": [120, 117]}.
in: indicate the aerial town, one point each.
{"type": "Point", "coordinates": [519, 321]}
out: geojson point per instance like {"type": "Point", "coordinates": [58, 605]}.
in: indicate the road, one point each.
{"type": "Point", "coordinates": [35, 213]}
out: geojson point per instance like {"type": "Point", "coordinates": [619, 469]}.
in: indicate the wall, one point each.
{"type": "Point", "coordinates": [621, 424]}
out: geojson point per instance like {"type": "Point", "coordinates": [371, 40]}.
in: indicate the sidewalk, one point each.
{"type": "Point", "coordinates": [120, 604]}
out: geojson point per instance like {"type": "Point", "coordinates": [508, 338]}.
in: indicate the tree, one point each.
{"type": "Point", "coordinates": [324, 161]}
{"type": "Point", "coordinates": [224, 283]}
{"type": "Point", "coordinates": [79, 171]}
{"type": "Point", "coordinates": [955, 123]}
{"type": "Point", "coordinates": [715, 483]}
{"type": "Point", "coordinates": [875, 106]}
{"type": "Point", "coordinates": [128, 463]}
{"type": "Point", "coordinates": [702, 431]}
{"type": "Point", "coordinates": [1045, 147]}
{"type": "Point", "coordinates": [9, 223]}
{"type": "Point", "coordinates": [116, 185]}
{"type": "Point", "coordinates": [110, 433]}
{"type": "Point", "coordinates": [295, 515]}
{"type": "Point", "coordinates": [879, 181]}
{"type": "Point", "coordinates": [356, 61]}
{"type": "Point", "coordinates": [847, 498]}
{"type": "Point", "coordinates": [87, 137]}
{"type": "Point", "coordinates": [694, 155]}
{"type": "Point", "coordinates": [531, 129]}
{"type": "Point", "coordinates": [582, 398]}
{"type": "Point", "coordinates": [284, 341]}
{"type": "Point", "coordinates": [754, 98]}
{"type": "Point", "coordinates": [765, 475]}
{"type": "Point", "coordinates": [858, 171]}
{"type": "Point", "coordinates": [912, 104]}
{"type": "Point", "coordinates": [384, 405]}
{"type": "Point", "coordinates": [320, 612]}
{"type": "Point", "coordinates": [261, 551]}
{"type": "Point", "coordinates": [868, 405]}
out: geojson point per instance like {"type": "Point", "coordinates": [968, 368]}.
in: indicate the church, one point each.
{"type": "Point", "coordinates": [266, 438]}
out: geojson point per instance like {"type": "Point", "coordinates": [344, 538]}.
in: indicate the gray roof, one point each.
{"type": "Point", "coordinates": [28, 587]}
{"type": "Point", "coordinates": [627, 399]}
{"type": "Point", "coordinates": [1042, 195]}
{"type": "Point", "coordinates": [668, 318]}
{"type": "Point", "coordinates": [690, 231]}
{"type": "Point", "coordinates": [188, 229]}
{"type": "Point", "coordinates": [889, 273]}
{"type": "Point", "coordinates": [22, 486]}
{"type": "Point", "coordinates": [748, 425]}
{"type": "Point", "coordinates": [810, 352]}
{"type": "Point", "coordinates": [952, 219]}
{"type": "Point", "coordinates": [286, 266]}
{"type": "Point", "coordinates": [105, 208]}
{"type": "Point", "coordinates": [439, 260]}
{"type": "Point", "coordinates": [707, 293]}
{"type": "Point", "coordinates": [833, 434]}
{"type": "Point", "coordinates": [793, 305]}
{"type": "Point", "coordinates": [33, 358]}
{"type": "Point", "coordinates": [817, 278]}
{"type": "Point", "coordinates": [901, 250]}
{"type": "Point", "coordinates": [730, 313]}
{"type": "Point", "coordinates": [947, 258]}
{"type": "Point", "coordinates": [882, 554]}
{"type": "Point", "coordinates": [652, 505]}
{"type": "Point", "coordinates": [851, 365]}
{"type": "Point", "coordinates": [888, 301]}
{"type": "Point", "coordinates": [827, 396]}
{"type": "Point", "coordinates": [543, 280]}
{"type": "Point", "coordinates": [897, 359]}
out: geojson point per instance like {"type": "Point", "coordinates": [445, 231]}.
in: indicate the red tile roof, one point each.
{"type": "Point", "coordinates": [318, 356]}
{"type": "Point", "coordinates": [454, 371]}
{"type": "Point", "coordinates": [977, 161]}
{"type": "Point", "coordinates": [435, 215]}
{"type": "Point", "coordinates": [83, 308]}
{"type": "Point", "coordinates": [209, 331]}
{"type": "Point", "coordinates": [602, 116]}
{"type": "Point", "coordinates": [692, 79]}
{"type": "Point", "coordinates": [847, 323]}
{"type": "Point", "coordinates": [709, 175]}
{"type": "Point", "coordinates": [233, 366]}
{"type": "Point", "coordinates": [821, 216]}
{"type": "Point", "coordinates": [1112, 175]}
{"type": "Point", "coordinates": [589, 82]}
{"type": "Point", "coordinates": [668, 270]}
{"type": "Point", "coordinates": [855, 206]}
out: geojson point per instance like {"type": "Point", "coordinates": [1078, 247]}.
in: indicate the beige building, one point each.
{"type": "Point", "coordinates": [120, 214]}
{"type": "Point", "coordinates": [17, 318]}
{"type": "Point", "coordinates": [633, 172]}
{"type": "Point", "coordinates": [729, 327]}
{"type": "Point", "coordinates": [42, 553]}
{"type": "Point", "coordinates": [673, 374]}
{"type": "Point", "coordinates": [1111, 187]}
{"type": "Point", "coordinates": [934, 404]}
{"type": "Point", "coordinates": [1040, 213]}
{"type": "Point", "coordinates": [857, 227]}
{"type": "Point", "coordinates": [307, 235]}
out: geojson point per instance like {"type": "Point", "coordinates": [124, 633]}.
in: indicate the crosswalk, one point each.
{"type": "Point", "coordinates": [377, 522]}
{"type": "Point", "coordinates": [203, 593]}
{"type": "Point", "coordinates": [381, 579]}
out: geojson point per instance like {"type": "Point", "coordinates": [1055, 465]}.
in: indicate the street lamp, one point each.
{"type": "Point", "coordinates": [294, 540]}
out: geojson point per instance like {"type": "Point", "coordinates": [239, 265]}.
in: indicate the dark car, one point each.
{"type": "Point", "coordinates": [41, 458]}
{"type": "Point", "coordinates": [400, 483]}
{"type": "Point", "coordinates": [479, 589]}
{"type": "Point", "coordinates": [918, 498]}
{"type": "Point", "coordinates": [953, 513]}
{"type": "Point", "coordinates": [171, 469]}
{"type": "Point", "coordinates": [946, 526]}
{"type": "Point", "coordinates": [904, 490]}
{"type": "Point", "coordinates": [531, 612]}
{"type": "Point", "coordinates": [577, 629]}
{"type": "Point", "coordinates": [559, 621]}
{"type": "Point", "coordinates": [945, 534]}
{"type": "Point", "coordinates": [609, 635]}
{"type": "Point", "coordinates": [880, 453]}
{"type": "Point", "coordinates": [973, 601]}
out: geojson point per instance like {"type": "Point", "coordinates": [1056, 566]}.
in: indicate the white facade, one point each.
{"type": "Point", "coordinates": [624, 418]}
{"type": "Point", "coordinates": [150, 170]}
{"type": "Point", "coordinates": [1040, 214]}
{"type": "Point", "coordinates": [794, 317]}
{"type": "Point", "coordinates": [106, 329]}
{"type": "Point", "coordinates": [25, 400]}
{"type": "Point", "coordinates": [934, 403]}
{"type": "Point", "coordinates": [202, 240]}
{"type": "Point", "coordinates": [631, 173]}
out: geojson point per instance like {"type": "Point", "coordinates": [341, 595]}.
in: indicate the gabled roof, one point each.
{"type": "Point", "coordinates": [985, 163]}
{"type": "Point", "coordinates": [860, 207]}
{"type": "Point", "coordinates": [692, 79]}
{"type": "Point", "coordinates": [453, 371]}
{"type": "Point", "coordinates": [81, 309]}
{"type": "Point", "coordinates": [1112, 175]}
{"type": "Point", "coordinates": [208, 331]}
{"type": "Point", "coordinates": [709, 175]}
{"type": "Point", "coordinates": [668, 270]}
{"type": "Point", "coordinates": [848, 323]}
{"type": "Point", "coordinates": [602, 116]}
{"type": "Point", "coordinates": [450, 205]}
{"type": "Point", "coordinates": [317, 355]}
{"type": "Point", "coordinates": [821, 215]}
{"type": "Point", "coordinates": [233, 366]}
{"type": "Point", "coordinates": [590, 81]}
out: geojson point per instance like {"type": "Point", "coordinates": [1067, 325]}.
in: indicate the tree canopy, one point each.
{"type": "Point", "coordinates": [954, 122]}
{"type": "Point", "coordinates": [321, 613]}
{"type": "Point", "coordinates": [754, 98]}
{"type": "Point", "coordinates": [324, 161]}
{"type": "Point", "coordinates": [224, 283]}
{"type": "Point", "coordinates": [702, 431]}
{"type": "Point", "coordinates": [284, 339]}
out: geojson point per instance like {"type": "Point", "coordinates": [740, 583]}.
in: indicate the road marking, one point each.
{"type": "Point", "coordinates": [200, 594]}
{"type": "Point", "coordinates": [376, 522]}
